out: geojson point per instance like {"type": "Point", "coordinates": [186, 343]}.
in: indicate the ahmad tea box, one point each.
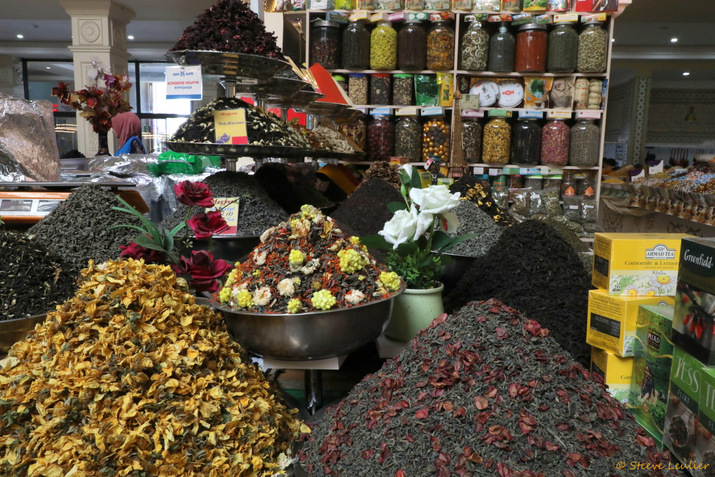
{"type": "Point", "coordinates": [617, 372]}
{"type": "Point", "coordinates": [681, 427]}
{"type": "Point", "coordinates": [652, 357]}
{"type": "Point", "coordinates": [636, 264]}
{"type": "Point", "coordinates": [612, 320]}
{"type": "Point", "coordinates": [695, 299]}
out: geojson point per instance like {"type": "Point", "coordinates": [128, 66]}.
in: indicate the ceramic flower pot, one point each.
{"type": "Point", "coordinates": [413, 311]}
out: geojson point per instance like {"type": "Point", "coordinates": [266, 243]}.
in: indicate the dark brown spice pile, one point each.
{"type": "Point", "coordinates": [32, 280]}
{"type": "Point", "coordinates": [479, 193]}
{"type": "Point", "coordinates": [79, 228]}
{"type": "Point", "coordinates": [230, 25]}
{"type": "Point", "coordinates": [290, 187]}
{"type": "Point", "coordinates": [383, 170]}
{"type": "Point", "coordinates": [484, 392]}
{"type": "Point", "coordinates": [365, 211]}
{"type": "Point", "coordinates": [532, 269]}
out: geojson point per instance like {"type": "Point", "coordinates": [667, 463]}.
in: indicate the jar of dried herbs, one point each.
{"type": "Point", "coordinates": [440, 46]}
{"type": "Point", "coordinates": [526, 142]}
{"type": "Point", "coordinates": [475, 47]}
{"type": "Point", "coordinates": [356, 131]}
{"type": "Point", "coordinates": [435, 139]}
{"type": "Point", "coordinates": [563, 49]}
{"type": "Point", "coordinates": [341, 81]}
{"type": "Point", "coordinates": [356, 46]}
{"type": "Point", "coordinates": [496, 141]}
{"type": "Point", "coordinates": [408, 138]}
{"type": "Point", "coordinates": [531, 48]}
{"type": "Point", "coordinates": [555, 136]}
{"type": "Point", "coordinates": [380, 138]}
{"type": "Point", "coordinates": [501, 51]}
{"type": "Point", "coordinates": [402, 88]}
{"type": "Point", "coordinates": [592, 49]}
{"type": "Point", "coordinates": [383, 47]}
{"type": "Point", "coordinates": [357, 88]}
{"type": "Point", "coordinates": [325, 44]}
{"type": "Point", "coordinates": [584, 144]}
{"type": "Point", "coordinates": [412, 46]}
{"type": "Point", "coordinates": [471, 139]}
{"type": "Point", "coordinates": [380, 85]}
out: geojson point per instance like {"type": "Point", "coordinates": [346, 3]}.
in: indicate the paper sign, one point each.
{"type": "Point", "coordinates": [470, 101]}
{"type": "Point", "coordinates": [183, 82]}
{"type": "Point", "coordinates": [656, 169]}
{"type": "Point", "coordinates": [231, 126]}
{"type": "Point", "coordinates": [558, 113]}
{"type": "Point", "coordinates": [229, 211]}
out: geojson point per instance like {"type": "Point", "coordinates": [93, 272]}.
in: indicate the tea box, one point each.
{"type": "Point", "coordinates": [705, 438]}
{"type": "Point", "coordinates": [616, 372]}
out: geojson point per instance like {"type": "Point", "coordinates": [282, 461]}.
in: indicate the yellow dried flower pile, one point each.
{"type": "Point", "coordinates": [131, 377]}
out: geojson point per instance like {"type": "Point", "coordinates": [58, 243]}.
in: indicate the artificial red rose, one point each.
{"type": "Point", "coordinates": [205, 225]}
{"type": "Point", "coordinates": [204, 270]}
{"type": "Point", "coordinates": [194, 193]}
{"type": "Point", "coordinates": [137, 252]}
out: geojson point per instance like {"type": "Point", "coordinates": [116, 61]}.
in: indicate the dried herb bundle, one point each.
{"type": "Point", "coordinates": [479, 193]}
{"type": "Point", "coordinates": [32, 280]}
{"type": "Point", "coordinates": [230, 25]}
{"type": "Point", "coordinates": [78, 229]}
{"type": "Point", "coordinates": [533, 269]}
{"type": "Point", "coordinates": [131, 377]}
{"type": "Point", "coordinates": [484, 392]}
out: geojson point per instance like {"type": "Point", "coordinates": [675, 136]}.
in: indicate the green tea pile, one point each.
{"type": "Point", "coordinates": [483, 392]}
{"type": "Point", "coordinates": [131, 377]}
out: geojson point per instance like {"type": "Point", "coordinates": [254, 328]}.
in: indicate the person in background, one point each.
{"type": "Point", "coordinates": [128, 127]}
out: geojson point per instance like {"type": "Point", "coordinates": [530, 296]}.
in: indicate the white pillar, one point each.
{"type": "Point", "coordinates": [99, 35]}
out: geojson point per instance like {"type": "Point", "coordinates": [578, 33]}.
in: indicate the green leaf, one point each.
{"type": "Point", "coordinates": [168, 240]}
{"type": "Point", "coordinates": [176, 229]}
{"type": "Point", "coordinates": [375, 241]}
{"type": "Point", "coordinates": [395, 206]}
{"type": "Point", "coordinates": [148, 242]}
{"type": "Point", "coordinates": [456, 240]}
{"type": "Point", "coordinates": [415, 180]}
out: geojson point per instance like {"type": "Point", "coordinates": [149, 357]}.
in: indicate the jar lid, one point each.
{"type": "Point", "coordinates": [380, 75]}
{"type": "Point", "coordinates": [403, 75]}
{"type": "Point", "coordinates": [338, 78]}
{"type": "Point", "coordinates": [511, 93]}
{"type": "Point", "coordinates": [533, 26]}
{"type": "Point", "coordinates": [488, 92]}
{"type": "Point", "coordinates": [326, 23]}
{"type": "Point", "coordinates": [594, 22]}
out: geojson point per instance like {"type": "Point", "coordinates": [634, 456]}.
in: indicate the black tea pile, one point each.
{"type": "Point", "coordinates": [485, 392]}
{"type": "Point", "coordinates": [532, 269]}
{"type": "Point", "coordinates": [291, 193]}
{"type": "Point", "coordinates": [365, 211]}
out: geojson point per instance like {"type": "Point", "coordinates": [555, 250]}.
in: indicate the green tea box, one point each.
{"type": "Point", "coordinates": [693, 321]}
{"type": "Point", "coordinates": [652, 357]}
{"type": "Point", "coordinates": [681, 415]}
{"type": "Point", "coordinates": [705, 445]}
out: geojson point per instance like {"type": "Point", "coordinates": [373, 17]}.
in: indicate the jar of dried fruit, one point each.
{"type": "Point", "coordinates": [380, 138]}
{"type": "Point", "coordinates": [531, 47]}
{"type": "Point", "coordinates": [356, 46]}
{"type": "Point", "coordinates": [408, 138]}
{"type": "Point", "coordinates": [325, 44]}
{"type": "Point", "coordinates": [471, 139]}
{"type": "Point", "coordinates": [440, 46]}
{"type": "Point", "coordinates": [380, 86]}
{"type": "Point", "coordinates": [402, 89]}
{"type": "Point", "coordinates": [555, 137]}
{"type": "Point", "coordinates": [412, 46]}
{"type": "Point", "coordinates": [584, 144]}
{"type": "Point", "coordinates": [435, 139]}
{"type": "Point", "coordinates": [592, 49]}
{"type": "Point", "coordinates": [475, 47]}
{"type": "Point", "coordinates": [383, 47]}
{"type": "Point", "coordinates": [496, 142]}
{"type": "Point", "coordinates": [357, 88]}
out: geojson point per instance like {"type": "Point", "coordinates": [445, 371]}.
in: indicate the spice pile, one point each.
{"type": "Point", "coordinates": [230, 25]}
{"type": "Point", "coordinates": [256, 210]}
{"type": "Point", "coordinates": [131, 377]}
{"type": "Point", "coordinates": [290, 187]}
{"type": "Point", "coordinates": [384, 170]}
{"type": "Point", "coordinates": [32, 280]}
{"type": "Point", "coordinates": [532, 269]}
{"type": "Point", "coordinates": [78, 229]}
{"type": "Point", "coordinates": [333, 140]}
{"type": "Point", "coordinates": [365, 211]}
{"type": "Point", "coordinates": [473, 220]}
{"type": "Point", "coordinates": [263, 129]}
{"type": "Point", "coordinates": [470, 188]}
{"type": "Point", "coordinates": [485, 392]}
{"type": "Point", "coordinates": [307, 264]}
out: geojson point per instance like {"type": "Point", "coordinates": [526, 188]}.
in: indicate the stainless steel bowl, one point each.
{"type": "Point", "coordinates": [306, 336]}
{"type": "Point", "coordinates": [12, 331]}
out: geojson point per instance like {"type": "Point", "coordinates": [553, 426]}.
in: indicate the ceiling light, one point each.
{"type": "Point", "coordinates": [613, 40]}
{"type": "Point", "coordinates": [20, 37]}
{"type": "Point", "coordinates": [47, 67]}
{"type": "Point", "coordinates": [130, 37]}
{"type": "Point", "coordinates": [686, 73]}
{"type": "Point", "coordinates": [674, 40]}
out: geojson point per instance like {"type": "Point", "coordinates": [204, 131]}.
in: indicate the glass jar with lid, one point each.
{"type": "Point", "coordinates": [356, 46]}
{"type": "Point", "coordinates": [358, 88]}
{"type": "Point", "coordinates": [501, 51]}
{"type": "Point", "coordinates": [364, 4]}
{"type": "Point", "coordinates": [440, 46]}
{"type": "Point", "coordinates": [413, 5]}
{"type": "Point", "coordinates": [555, 136]}
{"type": "Point", "coordinates": [585, 143]}
{"type": "Point", "coordinates": [496, 141]}
{"type": "Point", "coordinates": [475, 47]}
{"type": "Point", "coordinates": [325, 44]}
{"type": "Point", "coordinates": [408, 138]}
{"type": "Point", "coordinates": [380, 138]}
{"type": "Point", "coordinates": [563, 49]}
{"type": "Point", "coordinates": [526, 141]}
{"type": "Point", "coordinates": [402, 88]}
{"type": "Point", "coordinates": [380, 86]}
{"type": "Point", "coordinates": [342, 82]}
{"type": "Point", "coordinates": [592, 49]}
{"type": "Point", "coordinates": [435, 139]}
{"type": "Point", "coordinates": [412, 46]}
{"type": "Point", "coordinates": [471, 139]}
{"type": "Point", "coordinates": [383, 47]}
{"type": "Point", "coordinates": [356, 131]}
{"type": "Point", "coordinates": [531, 48]}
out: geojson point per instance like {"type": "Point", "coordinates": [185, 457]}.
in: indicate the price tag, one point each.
{"type": "Point", "coordinates": [641, 175]}
{"type": "Point", "coordinates": [406, 112]}
{"type": "Point", "coordinates": [418, 16]}
{"type": "Point", "coordinates": [529, 171]}
{"type": "Point", "coordinates": [597, 17]}
{"type": "Point", "coordinates": [380, 112]}
{"type": "Point", "coordinates": [433, 111]}
{"type": "Point", "coordinates": [566, 18]}
{"type": "Point", "coordinates": [470, 101]}
{"type": "Point", "coordinates": [479, 170]}
{"type": "Point", "coordinates": [359, 15]}
{"type": "Point", "coordinates": [396, 17]}
{"type": "Point", "coordinates": [656, 169]}
{"type": "Point", "coordinates": [469, 113]}
{"type": "Point", "coordinates": [228, 206]}
{"type": "Point", "coordinates": [495, 172]}
{"type": "Point", "coordinates": [531, 114]}
{"type": "Point", "coordinates": [557, 113]}
{"type": "Point", "coordinates": [588, 114]}
{"type": "Point", "coordinates": [500, 18]}
{"type": "Point", "coordinates": [499, 113]}
{"type": "Point", "coordinates": [376, 17]}
{"type": "Point", "coordinates": [184, 82]}
{"type": "Point", "coordinates": [230, 126]}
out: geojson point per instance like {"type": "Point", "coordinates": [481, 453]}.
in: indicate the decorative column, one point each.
{"type": "Point", "coordinates": [639, 121]}
{"type": "Point", "coordinates": [98, 36]}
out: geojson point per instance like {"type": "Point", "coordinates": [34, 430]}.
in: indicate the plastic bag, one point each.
{"type": "Point", "coordinates": [550, 200]}
{"type": "Point", "coordinates": [426, 90]}
{"type": "Point", "coordinates": [171, 162]}
{"type": "Point", "coordinates": [520, 201]}
{"type": "Point", "coordinates": [572, 207]}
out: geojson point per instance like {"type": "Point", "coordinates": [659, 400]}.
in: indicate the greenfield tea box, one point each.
{"type": "Point", "coordinates": [636, 264]}
{"type": "Point", "coordinates": [612, 320]}
{"type": "Point", "coordinates": [686, 380]}
{"type": "Point", "coordinates": [616, 371]}
{"type": "Point", "coordinates": [652, 356]}
{"type": "Point", "coordinates": [695, 299]}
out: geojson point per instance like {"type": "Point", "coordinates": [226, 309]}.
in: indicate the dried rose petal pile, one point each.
{"type": "Point", "coordinates": [483, 392]}
{"type": "Point", "coordinates": [307, 264]}
{"type": "Point", "coordinates": [131, 377]}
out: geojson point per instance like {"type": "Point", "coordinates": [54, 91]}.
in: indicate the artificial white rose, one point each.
{"type": "Point", "coordinates": [449, 223]}
{"type": "Point", "coordinates": [423, 223]}
{"type": "Point", "coordinates": [400, 228]}
{"type": "Point", "coordinates": [434, 199]}
{"type": "Point", "coordinates": [408, 169]}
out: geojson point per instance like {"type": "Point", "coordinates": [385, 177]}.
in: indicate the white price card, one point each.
{"type": "Point", "coordinates": [184, 82]}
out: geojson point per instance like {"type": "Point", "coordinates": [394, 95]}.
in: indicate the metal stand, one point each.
{"type": "Point", "coordinates": [313, 390]}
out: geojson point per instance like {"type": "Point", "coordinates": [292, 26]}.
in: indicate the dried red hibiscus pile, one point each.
{"type": "Point", "coordinates": [229, 26]}
{"type": "Point", "coordinates": [483, 392]}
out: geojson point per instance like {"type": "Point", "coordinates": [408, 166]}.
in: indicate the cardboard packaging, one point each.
{"type": "Point", "coordinates": [636, 264]}
{"type": "Point", "coordinates": [652, 359]}
{"type": "Point", "coordinates": [617, 372]}
{"type": "Point", "coordinates": [693, 321]}
{"type": "Point", "coordinates": [612, 320]}
{"type": "Point", "coordinates": [705, 439]}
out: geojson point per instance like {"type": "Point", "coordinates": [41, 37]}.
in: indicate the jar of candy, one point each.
{"type": "Point", "coordinates": [356, 46]}
{"type": "Point", "coordinates": [412, 46]}
{"type": "Point", "coordinates": [563, 49]}
{"type": "Point", "coordinates": [380, 138]}
{"type": "Point", "coordinates": [526, 142]}
{"type": "Point", "coordinates": [325, 44]}
{"type": "Point", "coordinates": [501, 51]}
{"type": "Point", "coordinates": [471, 139]}
{"type": "Point", "coordinates": [585, 143]}
{"type": "Point", "coordinates": [440, 46]}
{"type": "Point", "coordinates": [592, 49]}
{"type": "Point", "coordinates": [435, 139]}
{"type": "Point", "coordinates": [383, 47]}
{"type": "Point", "coordinates": [402, 87]}
{"type": "Point", "coordinates": [475, 47]}
{"type": "Point", "coordinates": [496, 141]}
{"type": "Point", "coordinates": [357, 88]}
{"type": "Point", "coordinates": [380, 86]}
{"type": "Point", "coordinates": [531, 47]}
{"type": "Point", "coordinates": [555, 136]}
{"type": "Point", "coordinates": [408, 138]}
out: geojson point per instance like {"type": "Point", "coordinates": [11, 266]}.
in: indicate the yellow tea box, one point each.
{"type": "Point", "coordinates": [617, 372]}
{"type": "Point", "coordinates": [612, 319]}
{"type": "Point", "coordinates": [636, 264]}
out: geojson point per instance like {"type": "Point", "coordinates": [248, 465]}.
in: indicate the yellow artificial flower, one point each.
{"type": "Point", "coordinates": [294, 305]}
{"type": "Point", "coordinates": [391, 280]}
{"type": "Point", "coordinates": [323, 300]}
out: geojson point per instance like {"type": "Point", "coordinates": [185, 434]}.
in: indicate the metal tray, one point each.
{"type": "Point", "coordinates": [274, 88]}
{"type": "Point", "coordinates": [229, 64]}
{"type": "Point", "coordinates": [303, 98]}
{"type": "Point", "coordinates": [318, 153]}
{"type": "Point", "coordinates": [322, 108]}
{"type": "Point", "coordinates": [12, 331]}
{"type": "Point", "coordinates": [236, 150]}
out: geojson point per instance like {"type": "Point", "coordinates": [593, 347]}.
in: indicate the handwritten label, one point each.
{"type": "Point", "coordinates": [231, 126]}
{"type": "Point", "coordinates": [228, 206]}
{"type": "Point", "coordinates": [183, 82]}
